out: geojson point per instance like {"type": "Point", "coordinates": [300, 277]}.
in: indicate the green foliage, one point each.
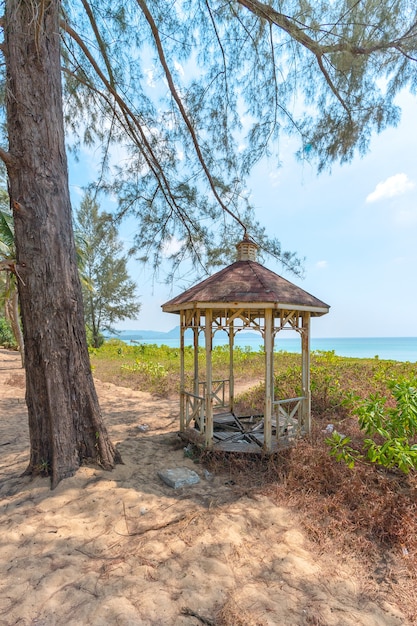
{"type": "Point", "coordinates": [7, 245]}
{"type": "Point", "coordinates": [155, 371]}
{"type": "Point", "coordinates": [156, 368]}
{"type": "Point", "coordinates": [96, 339]}
{"type": "Point", "coordinates": [109, 294]}
{"type": "Point", "coordinates": [8, 281]}
{"type": "Point", "coordinates": [391, 430]}
{"type": "Point", "coordinates": [43, 468]}
{"type": "Point", "coordinates": [326, 371]}
{"type": "Point", "coordinates": [7, 248]}
{"type": "Point", "coordinates": [341, 388]}
{"type": "Point", "coordinates": [7, 339]}
{"type": "Point", "coordinates": [336, 383]}
{"type": "Point", "coordinates": [341, 450]}
{"type": "Point", "coordinates": [326, 72]}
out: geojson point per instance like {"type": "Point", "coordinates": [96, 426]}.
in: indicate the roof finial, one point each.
{"type": "Point", "coordinates": [246, 249]}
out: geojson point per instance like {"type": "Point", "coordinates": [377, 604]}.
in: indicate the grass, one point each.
{"type": "Point", "coordinates": [334, 380]}
{"type": "Point", "coordinates": [366, 513]}
{"type": "Point", "coordinates": [157, 368]}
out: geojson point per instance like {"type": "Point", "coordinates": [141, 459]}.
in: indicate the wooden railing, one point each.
{"type": "Point", "coordinates": [219, 390]}
{"type": "Point", "coordinates": [288, 415]}
{"type": "Point", "coordinates": [194, 410]}
{"type": "Point", "coordinates": [194, 405]}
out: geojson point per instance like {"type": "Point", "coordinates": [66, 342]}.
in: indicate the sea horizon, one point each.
{"type": "Point", "coordinates": [385, 348]}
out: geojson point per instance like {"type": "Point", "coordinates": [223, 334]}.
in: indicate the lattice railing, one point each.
{"type": "Point", "coordinates": [194, 410]}
{"type": "Point", "coordinates": [288, 415]}
{"type": "Point", "coordinates": [219, 390]}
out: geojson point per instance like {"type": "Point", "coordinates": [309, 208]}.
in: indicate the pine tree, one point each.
{"type": "Point", "coordinates": [108, 292]}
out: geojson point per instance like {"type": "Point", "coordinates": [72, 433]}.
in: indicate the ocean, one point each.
{"type": "Point", "coordinates": [387, 348]}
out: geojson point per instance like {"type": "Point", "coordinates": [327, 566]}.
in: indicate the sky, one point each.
{"type": "Point", "coordinates": [356, 226]}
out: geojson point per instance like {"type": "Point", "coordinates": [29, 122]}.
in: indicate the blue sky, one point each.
{"type": "Point", "coordinates": [356, 228]}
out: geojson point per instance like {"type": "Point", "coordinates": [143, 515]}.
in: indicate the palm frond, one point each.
{"type": "Point", "coordinates": [6, 234]}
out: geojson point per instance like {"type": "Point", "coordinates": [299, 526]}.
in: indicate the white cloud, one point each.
{"type": "Point", "coordinates": [77, 191]}
{"type": "Point", "coordinates": [179, 68]}
{"type": "Point", "coordinates": [150, 77]}
{"type": "Point", "coordinates": [171, 247]}
{"type": "Point", "coordinates": [392, 186]}
{"type": "Point", "coordinates": [321, 265]}
{"type": "Point", "coordinates": [274, 178]}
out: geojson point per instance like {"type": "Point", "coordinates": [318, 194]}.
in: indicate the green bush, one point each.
{"type": "Point", "coordinates": [392, 431]}
{"type": "Point", "coordinates": [94, 341]}
{"type": "Point", "coordinates": [7, 339]}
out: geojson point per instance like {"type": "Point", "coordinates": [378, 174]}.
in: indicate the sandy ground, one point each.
{"type": "Point", "coordinates": [122, 548]}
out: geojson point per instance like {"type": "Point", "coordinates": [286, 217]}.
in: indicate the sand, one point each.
{"type": "Point", "coordinates": [122, 548]}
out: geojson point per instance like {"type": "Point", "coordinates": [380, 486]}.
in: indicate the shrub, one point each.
{"type": "Point", "coordinates": [95, 341]}
{"type": "Point", "coordinates": [7, 339]}
{"type": "Point", "coordinates": [392, 431]}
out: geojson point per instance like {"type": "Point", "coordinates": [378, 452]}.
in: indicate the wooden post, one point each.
{"type": "Point", "coordinates": [269, 382]}
{"type": "Point", "coordinates": [305, 357]}
{"type": "Point", "coordinates": [196, 324]}
{"type": "Point", "coordinates": [182, 372]}
{"type": "Point", "coordinates": [231, 367]}
{"type": "Point", "coordinates": [209, 378]}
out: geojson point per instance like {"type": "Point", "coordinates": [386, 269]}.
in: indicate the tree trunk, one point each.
{"type": "Point", "coordinates": [66, 427]}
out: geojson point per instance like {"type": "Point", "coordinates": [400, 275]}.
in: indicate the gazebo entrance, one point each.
{"type": "Point", "coordinates": [243, 296]}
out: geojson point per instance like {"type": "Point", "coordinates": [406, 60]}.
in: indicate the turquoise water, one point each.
{"type": "Point", "coordinates": [391, 348]}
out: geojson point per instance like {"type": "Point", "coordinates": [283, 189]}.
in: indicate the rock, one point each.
{"type": "Point", "coordinates": [178, 477]}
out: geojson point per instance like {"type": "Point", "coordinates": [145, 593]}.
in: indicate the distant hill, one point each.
{"type": "Point", "coordinates": [174, 333]}
{"type": "Point", "coordinates": [152, 334]}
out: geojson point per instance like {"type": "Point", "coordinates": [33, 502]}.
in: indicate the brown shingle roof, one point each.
{"type": "Point", "coordinates": [246, 282]}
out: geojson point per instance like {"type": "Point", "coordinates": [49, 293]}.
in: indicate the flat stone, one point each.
{"type": "Point", "coordinates": [179, 477]}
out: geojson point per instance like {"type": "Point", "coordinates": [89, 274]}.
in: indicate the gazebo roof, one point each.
{"type": "Point", "coordinates": [246, 283]}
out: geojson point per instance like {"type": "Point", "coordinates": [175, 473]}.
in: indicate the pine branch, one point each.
{"type": "Point", "coordinates": [297, 33]}
{"type": "Point", "coordinates": [155, 33]}
{"type": "Point", "coordinates": [131, 119]}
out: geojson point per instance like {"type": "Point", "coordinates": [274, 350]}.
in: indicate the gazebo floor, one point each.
{"type": "Point", "coordinates": [241, 434]}
{"type": "Point", "coordinates": [241, 444]}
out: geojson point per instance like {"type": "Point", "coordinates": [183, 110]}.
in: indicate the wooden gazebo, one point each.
{"type": "Point", "coordinates": [243, 296]}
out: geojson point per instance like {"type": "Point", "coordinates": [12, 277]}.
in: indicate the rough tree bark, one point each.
{"type": "Point", "coordinates": [65, 422]}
